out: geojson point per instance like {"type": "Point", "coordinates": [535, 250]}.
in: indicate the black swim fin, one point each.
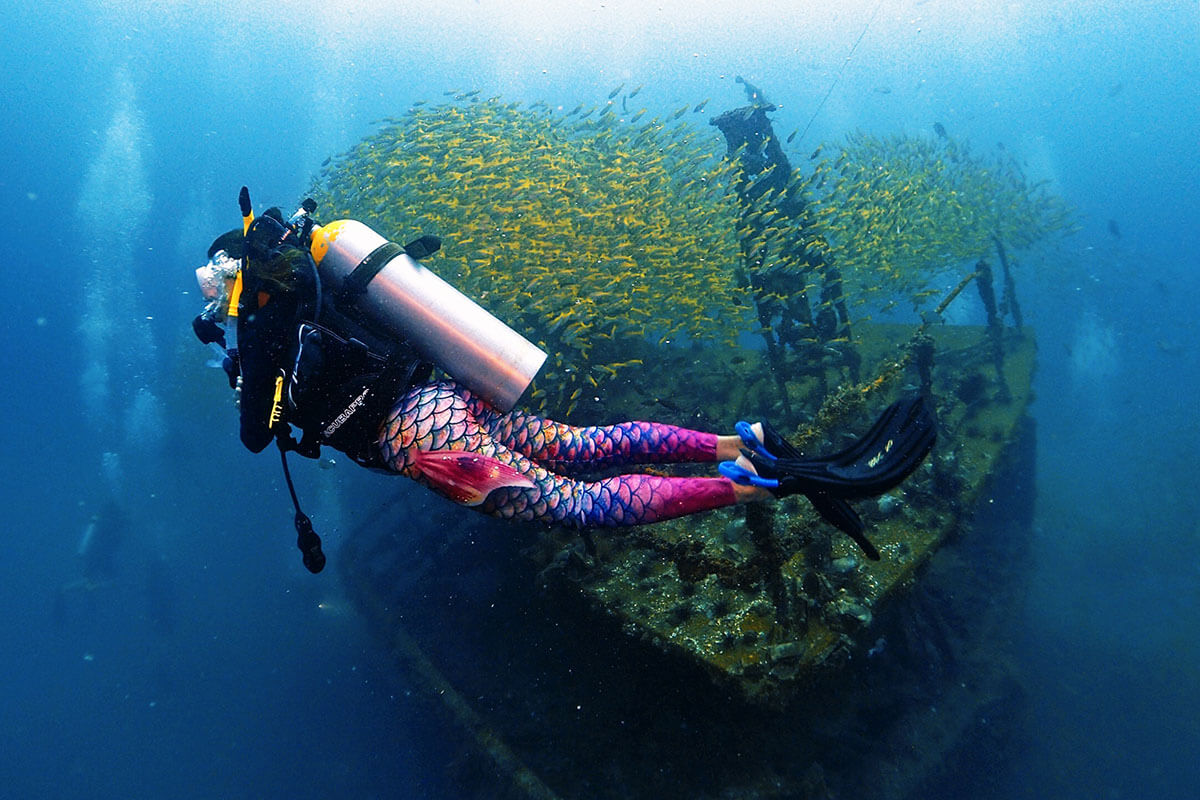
{"type": "Point", "coordinates": [880, 460]}
{"type": "Point", "coordinates": [838, 513]}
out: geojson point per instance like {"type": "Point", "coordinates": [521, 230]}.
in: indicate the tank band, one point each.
{"type": "Point", "coordinates": [356, 282]}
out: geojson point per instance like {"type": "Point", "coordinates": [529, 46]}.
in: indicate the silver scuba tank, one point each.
{"type": "Point", "coordinates": [374, 277]}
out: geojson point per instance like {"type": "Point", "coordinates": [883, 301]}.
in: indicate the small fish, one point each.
{"type": "Point", "coordinates": [667, 404]}
{"type": "Point", "coordinates": [753, 93]}
{"type": "Point", "coordinates": [638, 89]}
{"type": "Point", "coordinates": [815, 153]}
{"type": "Point", "coordinates": [700, 106]}
{"type": "Point", "coordinates": [882, 90]}
{"type": "Point", "coordinates": [792, 135]}
{"type": "Point", "coordinates": [940, 130]}
{"type": "Point", "coordinates": [1114, 229]}
{"type": "Point", "coordinates": [615, 91]}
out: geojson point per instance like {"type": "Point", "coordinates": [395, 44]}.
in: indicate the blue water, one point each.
{"type": "Point", "coordinates": [207, 663]}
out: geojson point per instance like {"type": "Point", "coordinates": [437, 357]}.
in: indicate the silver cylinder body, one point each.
{"type": "Point", "coordinates": [451, 330]}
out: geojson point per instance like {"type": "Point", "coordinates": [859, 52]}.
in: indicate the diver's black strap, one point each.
{"type": "Point", "coordinates": [356, 282]}
{"type": "Point", "coordinates": [400, 374]}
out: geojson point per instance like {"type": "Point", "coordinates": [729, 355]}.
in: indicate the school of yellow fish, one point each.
{"type": "Point", "coordinates": [590, 229]}
{"type": "Point", "coordinates": [895, 213]}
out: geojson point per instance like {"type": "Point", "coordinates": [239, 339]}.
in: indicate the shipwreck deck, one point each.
{"type": "Point", "coordinates": [747, 652]}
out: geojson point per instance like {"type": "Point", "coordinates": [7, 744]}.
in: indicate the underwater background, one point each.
{"type": "Point", "coordinates": [206, 662]}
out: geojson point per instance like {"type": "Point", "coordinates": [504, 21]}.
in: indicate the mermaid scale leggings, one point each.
{"type": "Point", "coordinates": [445, 416]}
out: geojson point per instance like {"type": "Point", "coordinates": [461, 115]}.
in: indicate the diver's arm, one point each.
{"type": "Point", "coordinates": [264, 350]}
{"type": "Point", "coordinates": [257, 388]}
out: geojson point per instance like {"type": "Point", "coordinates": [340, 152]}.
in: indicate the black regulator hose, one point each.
{"type": "Point", "coordinates": [306, 538]}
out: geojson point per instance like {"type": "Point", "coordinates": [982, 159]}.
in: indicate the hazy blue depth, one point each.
{"type": "Point", "coordinates": [212, 665]}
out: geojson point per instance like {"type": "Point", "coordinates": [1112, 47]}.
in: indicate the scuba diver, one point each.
{"type": "Point", "coordinates": [337, 332]}
{"type": "Point", "coordinates": [101, 539]}
{"type": "Point", "coordinates": [97, 550]}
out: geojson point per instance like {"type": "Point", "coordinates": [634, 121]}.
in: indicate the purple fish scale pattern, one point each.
{"type": "Point", "coordinates": [613, 502]}
{"type": "Point", "coordinates": [555, 444]}
{"type": "Point", "coordinates": [429, 417]}
{"type": "Point", "coordinates": [444, 416]}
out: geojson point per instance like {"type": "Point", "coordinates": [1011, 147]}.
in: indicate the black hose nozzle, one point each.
{"type": "Point", "coordinates": [309, 543]}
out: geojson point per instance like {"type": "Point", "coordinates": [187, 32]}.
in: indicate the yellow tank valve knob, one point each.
{"type": "Point", "coordinates": [322, 237]}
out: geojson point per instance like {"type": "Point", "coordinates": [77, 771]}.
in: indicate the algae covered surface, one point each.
{"type": "Point", "coordinates": [765, 596]}
{"type": "Point", "coordinates": [749, 652]}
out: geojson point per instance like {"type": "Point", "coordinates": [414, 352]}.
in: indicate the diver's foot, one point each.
{"type": "Point", "coordinates": [740, 472]}
{"type": "Point", "coordinates": [756, 428]}
{"type": "Point", "coordinates": [765, 443]}
{"type": "Point", "coordinates": [745, 475]}
{"type": "Point", "coordinates": [730, 447]}
{"type": "Point", "coordinates": [751, 435]}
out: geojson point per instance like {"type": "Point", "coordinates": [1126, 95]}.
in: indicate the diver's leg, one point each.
{"type": "Point", "coordinates": [437, 417]}
{"type": "Point", "coordinates": [619, 501]}
{"type": "Point", "coordinates": [557, 444]}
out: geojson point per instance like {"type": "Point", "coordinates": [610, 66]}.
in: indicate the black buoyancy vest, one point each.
{"type": "Point", "coordinates": [341, 390]}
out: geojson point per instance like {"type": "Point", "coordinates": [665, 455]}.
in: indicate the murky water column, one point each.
{"type": "Point", "coordinates": [1095, 366]}
{"type": "Point", "coordinates": [121, 406]}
